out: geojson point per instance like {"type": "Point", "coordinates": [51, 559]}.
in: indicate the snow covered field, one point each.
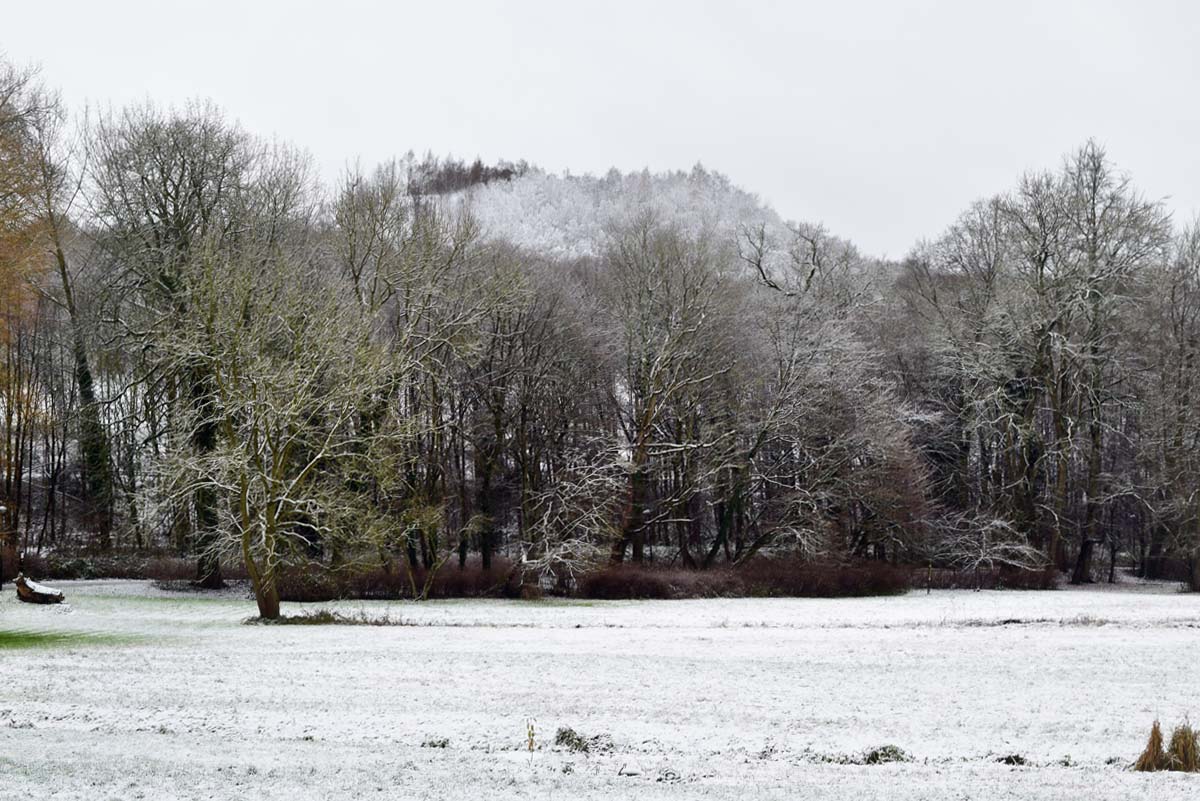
{"type": "Point", "coordinates": [170, 696]}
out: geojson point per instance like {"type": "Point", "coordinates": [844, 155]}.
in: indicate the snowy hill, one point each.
{"type": "Point", "coordinates": [567, 215]}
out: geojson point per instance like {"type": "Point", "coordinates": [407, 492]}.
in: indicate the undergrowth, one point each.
{"type": "Point", "coordinates": [326, 617]}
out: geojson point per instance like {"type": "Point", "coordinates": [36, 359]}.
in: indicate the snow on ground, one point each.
{"type": "Point", "coordinates": [708, 699]}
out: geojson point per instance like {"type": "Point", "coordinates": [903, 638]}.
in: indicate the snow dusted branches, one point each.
{"type": "Point", "coordinates": [292, 379]}
{"type": "Point", "coordinates": [575, 517]}
{"type": "Point", "coordinates": [974, 542]}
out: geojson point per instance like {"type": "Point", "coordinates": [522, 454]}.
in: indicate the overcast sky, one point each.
{"type": "Point", "coordinates": [881, 119]}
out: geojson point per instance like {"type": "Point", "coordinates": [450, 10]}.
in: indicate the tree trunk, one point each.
{"type": "Point", "coordinates": [633, 526]}
{"type": "Point", "coordinates": [93, 439]}
{"type": "Point", "coordinates": [94, 448]}
{"type": "Point", "coordinates": [266, 594]}
{"type": "Point", "coordinates": [484, 466]}
{"type": "Point", "coordinates": [8, 555]}
{"type": "Point", "coordinates": [1091, 513]}
{"type": "Point", "coordinates": [633, 516]}
{"type": "Point", "coordinates": [1083, 565]}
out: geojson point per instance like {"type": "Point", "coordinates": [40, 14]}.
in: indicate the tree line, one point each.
{"type": "Point", "coordinates": [206, 351]}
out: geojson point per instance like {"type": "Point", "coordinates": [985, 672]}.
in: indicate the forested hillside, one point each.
{"type": "Point", "coordinates": [206, 351]}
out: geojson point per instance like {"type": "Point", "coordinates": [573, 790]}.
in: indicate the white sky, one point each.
{"type": "Point", "coordinates": [881, 119]}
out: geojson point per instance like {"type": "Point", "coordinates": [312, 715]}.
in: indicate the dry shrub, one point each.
{"type": "Point", "coordinates": [624, 582]}
{"type": "Point", "coordinates": [308, 584]}
{"type": "Point", "coordinates": [1182, 753]}
{"type": "Point", "coordinates": [759, 578]}
{"type": "Point", "coordinates": [799, 579]}
{"type": "Point", "coordinates": [1154, 757]}
{"type": "Point", "coordinates": [119, 565]}
{"type": "Point", "coordinates": [85, 566]}
{"type": "Point", "coordinates": [315, 582]}
{"type": "Point", "coordinates": [630, 582]}
{"type": "Point", "coordinates": [1001, 578]}
{"type": "Point", "coordinates": [171, 568]}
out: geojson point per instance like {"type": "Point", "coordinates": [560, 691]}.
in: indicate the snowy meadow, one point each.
{"type": "Point", "coordinates": [127, 691]}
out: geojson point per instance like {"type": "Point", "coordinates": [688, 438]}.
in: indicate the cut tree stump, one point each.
{"type": "Point", "coordinates": [33, 593]}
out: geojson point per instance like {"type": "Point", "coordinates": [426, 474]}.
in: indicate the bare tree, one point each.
{"type": "Point", "coordinates": [167, 189]}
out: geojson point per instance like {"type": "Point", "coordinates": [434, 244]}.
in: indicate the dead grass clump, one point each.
{"type": "Point", "coordinates": [885, 754]}
{"type": "Point", "coordinates": [568, 738]}
{"type": "Point", "coordinates": [1182, 752]}
{"type": "Point", "coordinates": [1154, 757]}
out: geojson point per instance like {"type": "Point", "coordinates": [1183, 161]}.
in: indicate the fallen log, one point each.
{"type": "Point", "coordinates": [33, 593]}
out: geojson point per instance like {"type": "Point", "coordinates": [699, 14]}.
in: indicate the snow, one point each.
{"type": "Point", "coordinates": [41, 589]}
{"type": "Point", "coordinates": [707, 699]}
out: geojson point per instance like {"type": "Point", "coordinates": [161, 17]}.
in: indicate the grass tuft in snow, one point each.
{"type": "Point", "coordinates": [1183, 753]}
{"type": "Point", "coordinates": [880, 755]}
{"type": "Point", "coordinates": [1154, 757]}
{"type": "Point", "coordinates": [884, 754]}
{"type": "Point", "coordinates": [568, 738]}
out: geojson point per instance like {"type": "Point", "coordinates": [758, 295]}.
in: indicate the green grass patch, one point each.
{"type": "Point", "coordinates": [16, 639]}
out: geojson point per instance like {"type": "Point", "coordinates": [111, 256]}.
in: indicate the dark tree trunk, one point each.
{"type": "Point", "coordinates": [94, 448]}
{"type": "Point", "coordinates": [633, 524]}
{"type": "Point", "coordinates": [93, 440]}
{"type": "Point", "coordinates": [8, 555]}
{"type": "Point", "coordinates": [485, 465]}
{"type": "Point", "coordinates": [1091, 513]}
{"type": "Point", "coordinates": [1083, 564]}
{"type": "Point", "coordinates": [266, 595]}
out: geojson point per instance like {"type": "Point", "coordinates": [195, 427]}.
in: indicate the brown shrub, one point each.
{"type": "Point", "coordinates": [309, 584]}
{"type": "Point", "coordinates": [172, 568]}
{"type": "Point", "coordinates": [1003, 578]}
{"type": "Point", "coordinates": [119, 565]}
{"type": "Point", "coordinates": [800, 579]}
{"type": "Point", "coordinates": [622, 582]}
{"type": "Point", "coordinates": [619, 582]}
{"type": "Point", "coordinates": [759, 578]}
{"type": "Point", "coordinates": [315, 582]}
